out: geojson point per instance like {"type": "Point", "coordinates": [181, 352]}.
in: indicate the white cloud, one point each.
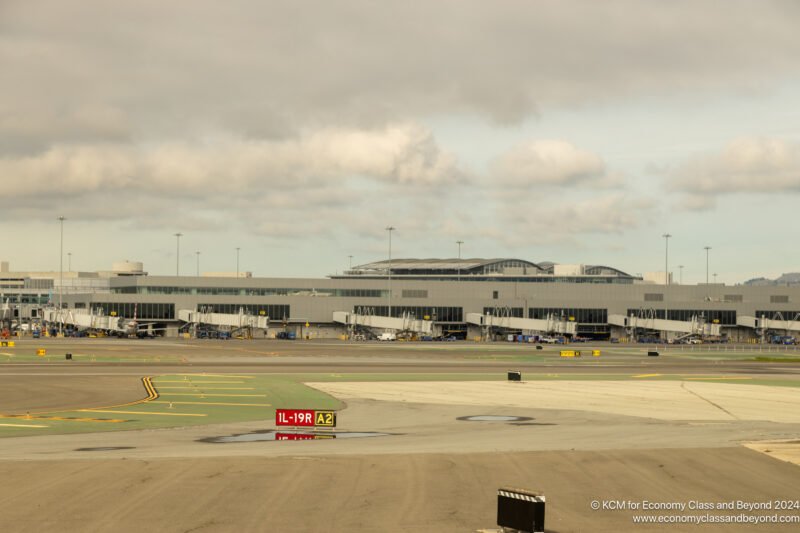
{"type": "Point", "coordinates": [549, 162]}
{"type": "Point", "coordinates": [399, 154]}
{"type": "Point", "coordinates": [555, 218]}
{"type": "Point", "coordinates": [754, 165]}
{"type": "Point", "coordinates": [96, 70]}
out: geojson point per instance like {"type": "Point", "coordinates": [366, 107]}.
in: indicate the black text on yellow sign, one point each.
{"type": "Point", "coordinates": [325, 419]}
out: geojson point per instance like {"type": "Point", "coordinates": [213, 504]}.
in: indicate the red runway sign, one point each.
{"type": "Point", "coordinates": [305, 418]}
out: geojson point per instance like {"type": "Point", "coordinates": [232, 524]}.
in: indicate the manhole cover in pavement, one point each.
{"type": "Point", "coordinates": [494, 418]}
{"type": "Point", "coordinates": [104, 449]}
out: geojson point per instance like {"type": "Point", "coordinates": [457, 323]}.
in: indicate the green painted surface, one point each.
{"type": "Point", "coordinates": [276, 391]}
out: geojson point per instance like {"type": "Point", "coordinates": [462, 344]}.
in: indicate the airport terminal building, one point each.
{"type": "Point", "coordinates": [444, 291]}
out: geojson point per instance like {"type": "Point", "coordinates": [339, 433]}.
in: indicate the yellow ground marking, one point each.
{"type": "Point", "coordinates": [226, 395]}
{"type": "Point", "coordinates": [24, 426]}
{"type": "Point", "coordinates": [63, 418]}
{"type": "Point", "coordinates": [151, 395]}
{"type": "Point", "coordinates": [148, 386]}
{"type": "Point", "coordinates": [219, 403]}
{"type": "Point", "coordinates": [216, 376]}
{"type": "Point", "coordinates": [159, 382]}
{"type": "Point", "coordinates": [715, 378]}
{"type": "Point", "coordinates": [156, 413]}
{"type": "Point", "coordinates": [258, 352]}
{"type": "Point", "coordinates": [646, 376]}
{"type": "Point", "coordinates": [207, 388]}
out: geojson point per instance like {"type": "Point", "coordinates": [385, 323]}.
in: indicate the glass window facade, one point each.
{"type": "Point", "coordinates": [253, 291]}
{"type": "Point", "coordinates": [149, 311]}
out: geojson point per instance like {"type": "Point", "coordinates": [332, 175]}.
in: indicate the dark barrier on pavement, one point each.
{"type": "Point", "coordinates": [520, 509]}
{"type": "Point", "coordinates": [514, 375]}
{"type": "Point", "coordinates": [652, 353]}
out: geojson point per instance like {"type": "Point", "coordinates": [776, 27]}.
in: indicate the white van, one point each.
{"type": "Point", "coordinates": [387, 336]}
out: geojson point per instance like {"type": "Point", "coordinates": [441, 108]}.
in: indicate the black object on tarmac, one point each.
{"type": "Point", "coordinates": [69, 357]}
{"type": "Point", "coordinates": [514, 375]}
{"type": "Point", "coordinates": [520, 509]}
{"type": "Point", "coordinates": [652, 353]}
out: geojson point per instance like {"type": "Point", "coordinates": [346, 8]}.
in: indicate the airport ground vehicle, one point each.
{"type": "Point", "coordinates": [387, 336]}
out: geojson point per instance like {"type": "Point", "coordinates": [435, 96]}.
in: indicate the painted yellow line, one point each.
{"type": "Point", "coordinates": [206, 388]}
{"type": "Point", "coordinates": [23, 426]}
{"type": "Point", "coordinates": [219, 403]}
{"type": "Point", "coordinates": [646, 376]}
{"type": "Point", "coordinates": [64, 418]}
{"type": "Point", "coordinates": [151, 395]}
{"type": "Point", "coordinates": [159, 382]}
{"type": "Point", "coordinates": [141, 413]}
{"type": "Point", "coordinates": [217, 376]}
{"type": "Point", "coordinates": [203, 394]}
{"type": "Point", "coordinates": [717, 378]}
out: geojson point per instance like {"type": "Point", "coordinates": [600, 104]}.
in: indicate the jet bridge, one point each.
{"type": "Point", "coordinates": [767, 324]}
{"type": "Point", "coordinates": [230, 320]}
{"type": "Point", "coordinates": [404, 323]}
{"type": "Point", "coordinates": [84, 319]}
{"type": "Point", "coordinates": [551, 324]}
{"type": "Point", "coordinates": [696, 326]}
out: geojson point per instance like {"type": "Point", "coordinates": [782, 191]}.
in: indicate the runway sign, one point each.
{"type": "Point", "coordinates": [521, 510]}
{"type": "Point", "coordinates": [570, 353]}
{"type": "Point", "coordinates": [305, 418]}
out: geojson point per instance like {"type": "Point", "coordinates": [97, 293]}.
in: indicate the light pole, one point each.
{"type": "Point", "coordinates": [680, 279]}
{"type": "Point", "coordinates": [61, 219]}
{"type": "Point", "coordinates": [706, 248]}
{"type": "Point", "coordinates": [715, 278]}
{"type": "Point", "coordinates": [666, 258]}
{"type": "Point", "coordinates": [237, 262]}
{"type": "Point", "coordinates": [459, 243]}
{"type": "Point", "coordinates": [69, 261]}
{"type": "Point", "coordinates": [178, 254]}
{"type": "Point", "coordinates": [198, 263]}
{"type": "Point", "coordinates": [351, 262]}
{"type": "Point", "coordinates": [390, 229]}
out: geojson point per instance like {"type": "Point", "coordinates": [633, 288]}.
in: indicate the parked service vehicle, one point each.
{"type": "Point", "coordinates": [387, 336]}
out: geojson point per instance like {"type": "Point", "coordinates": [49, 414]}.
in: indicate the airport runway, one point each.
{"type": "Point", "coordinates": [608, 437]}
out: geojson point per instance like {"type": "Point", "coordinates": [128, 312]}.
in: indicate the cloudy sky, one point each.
{"type": "Point", "coordinates": [569, 131]}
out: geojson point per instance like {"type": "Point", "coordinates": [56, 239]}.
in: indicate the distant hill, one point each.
{"type": "Point", "coordinates": [790, 278]}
